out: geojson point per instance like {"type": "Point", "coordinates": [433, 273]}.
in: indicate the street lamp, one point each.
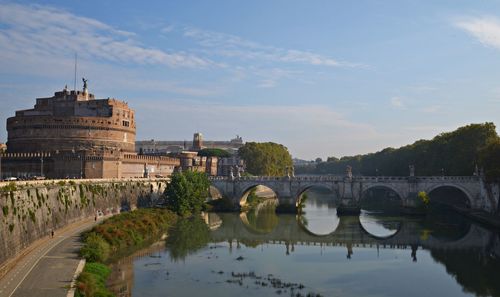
{"type": "Point", "coordinates": [81, 165]}
{"type": "Point", "coordinates": [41, 165]}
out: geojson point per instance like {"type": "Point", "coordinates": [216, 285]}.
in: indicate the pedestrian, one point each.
{"type": "Point", "coordinates": [95, 218]}
{"type": "Point", "coordinates": [52, 233]}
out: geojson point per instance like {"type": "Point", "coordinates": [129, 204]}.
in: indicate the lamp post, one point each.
{"type": "Point", "coordinates": [81, 165]}
{"type": "Point", "coordinates": [1, 166]}
{"type": "Point", "coordinates": [41, 165]}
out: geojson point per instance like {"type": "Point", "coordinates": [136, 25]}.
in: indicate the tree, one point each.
{"type": "Point", "coordinates": [489, 159]}
{"type": "Point", "coordinates": [214, 152]}
{"type": "Point", "coordinates": [318, 160]}
{"type": "Point", "coordinates": [457, 152]}
{"type": "Point", "coordinates": [187, 191]}
{"type": "Point", "coordinates": [267, 158]}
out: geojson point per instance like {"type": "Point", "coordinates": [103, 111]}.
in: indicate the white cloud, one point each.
{"type": "Point", "coordinates": [34, 30]}
{"type": "Point", "coordinates": [432, 109]}
{"type": "Point", "coordinates": [167, 29]}
{"type": "Point", "coordinates": [397, 102]}
{"type": "Point", "coordinates": [233, 46]}
{"type": "Point", "coordinates": [486, 29]}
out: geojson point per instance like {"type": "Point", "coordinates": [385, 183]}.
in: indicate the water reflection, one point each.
{"type": "Point", "coordinates": [187, 237]}
{"type": "Point", "coordinates": [319, 215]}
{"type": "Point", "coordinates": [378, 224]}
{"type": "Point", "coordinates": [369, 255]}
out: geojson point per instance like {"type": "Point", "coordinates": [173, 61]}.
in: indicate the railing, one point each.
{"type": "Point", "coordinates": [67, 182]}
{"type": "Point", "coordinates": [338, 178]}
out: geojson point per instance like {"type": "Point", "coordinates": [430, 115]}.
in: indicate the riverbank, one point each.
{"type": "Point", "coordinates": [114, 238]}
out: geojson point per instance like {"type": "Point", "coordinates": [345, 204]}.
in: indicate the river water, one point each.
{"type": "Point", "coordinates": [260, 253]}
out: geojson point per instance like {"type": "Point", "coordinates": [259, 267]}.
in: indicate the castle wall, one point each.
{"type": "Point", "coordinates": [30, 210]}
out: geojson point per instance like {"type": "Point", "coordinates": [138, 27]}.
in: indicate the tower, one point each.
{"type": "Point", "coordinates": [197, 141]}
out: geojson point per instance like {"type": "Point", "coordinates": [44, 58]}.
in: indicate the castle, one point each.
{"type": "Point", "coordinates": [74, 135]}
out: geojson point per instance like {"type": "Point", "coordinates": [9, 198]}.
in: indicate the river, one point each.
{"type": "Point", "coordinates": [260, 253]}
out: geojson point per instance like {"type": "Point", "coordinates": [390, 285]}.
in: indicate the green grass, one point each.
{"type": "Point", "coordinates": [92, 281]}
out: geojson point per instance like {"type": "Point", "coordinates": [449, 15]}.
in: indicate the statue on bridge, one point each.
{"type": "Point", "coordinates": [348, 172]}
{"type": "Point", "coordinates": [412, 170]}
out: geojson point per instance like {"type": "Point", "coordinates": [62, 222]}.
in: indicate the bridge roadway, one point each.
{"type": "Point", "coordinates": [351, 189]}
{"type": "Point", "coordinates": [349, 232]}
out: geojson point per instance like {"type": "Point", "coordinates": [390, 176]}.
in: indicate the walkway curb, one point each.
{"type": "Point", "coordinates": [79, 269]}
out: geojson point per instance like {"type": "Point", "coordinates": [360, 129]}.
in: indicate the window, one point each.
{"type": "Point", "coordinates": [125, 123]}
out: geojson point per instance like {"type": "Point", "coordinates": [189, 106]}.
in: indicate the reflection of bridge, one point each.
{"type": "Point", "coordinates": [349, 232]}
{"type": "Point", "coordinates": [350, 189]}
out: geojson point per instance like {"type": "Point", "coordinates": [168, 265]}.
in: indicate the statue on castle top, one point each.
{"type": "Point", "coordinates": [84, 83]}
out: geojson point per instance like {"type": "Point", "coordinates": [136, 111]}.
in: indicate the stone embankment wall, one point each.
{"type": "Point", "coordinates": [31, 210]}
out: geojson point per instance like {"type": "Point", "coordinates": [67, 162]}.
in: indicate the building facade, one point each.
{"type": "Point", "coordinates": [176, 146]}
{"type": "Point", "coordinates": [74, 135]}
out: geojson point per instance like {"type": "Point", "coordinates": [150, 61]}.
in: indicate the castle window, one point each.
{"type": "Point", "coordinates": [125, 123]}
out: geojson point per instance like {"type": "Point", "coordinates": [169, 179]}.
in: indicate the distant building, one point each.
{"type": "Point", "coordinates": [190, 161]}
{"type": "Point", "coordinates": [72, 134]}
{"type": "Point", "coordinates": [163, 147]}
{"type": "Point", "coordinates": [197, 141]}
{"type": "Point", "coordinates": [233, 165]}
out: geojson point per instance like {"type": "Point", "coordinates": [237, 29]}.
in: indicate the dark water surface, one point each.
{"type": "Point", "coordinates": [263, 254]}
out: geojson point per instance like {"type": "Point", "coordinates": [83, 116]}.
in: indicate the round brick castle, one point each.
{"type": "Point", "coordinates": [72, 120]}
{"type": "Point", "coordinates": [74, 135]}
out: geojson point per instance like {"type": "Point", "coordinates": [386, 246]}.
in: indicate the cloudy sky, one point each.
{"type": "Point", "coordinates": [325, 78]}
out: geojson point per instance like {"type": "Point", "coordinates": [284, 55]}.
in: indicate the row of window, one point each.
{"type": "Point", "coordinates": [65, 127]}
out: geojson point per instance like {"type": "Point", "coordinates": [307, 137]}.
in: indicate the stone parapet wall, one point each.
{"type": "Point", "coordinates": [30, 210]}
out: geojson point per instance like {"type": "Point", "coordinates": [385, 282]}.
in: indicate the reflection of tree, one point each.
{"type": "Point", "coordinates": [445, 225]}
{"type": "Point", "coordinates": [187, 237]}
{"type": "Point", "coordinates": [475, 272]}
{"type": "Point", "coordinates": [263, 220]}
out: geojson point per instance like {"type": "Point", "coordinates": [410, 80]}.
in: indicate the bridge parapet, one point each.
{"type": "Point", "coordinates": [351, 190]}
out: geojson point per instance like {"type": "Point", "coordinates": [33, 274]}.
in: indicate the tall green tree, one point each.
{"type": "Point", "coordinates": [451, 153]}
{"type": "Point", "coordinates": [489, 159]}
{"type": "Point", "coordinates": [187, 191]}
{"type": "Point", "coordinates": [266, 158]}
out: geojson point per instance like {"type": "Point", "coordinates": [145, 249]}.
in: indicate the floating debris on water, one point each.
{"type": "Point", "coordinates": [268, 281]}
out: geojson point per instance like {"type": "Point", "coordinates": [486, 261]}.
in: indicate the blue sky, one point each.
{"type": "Point", "coordinates": [325, 78]}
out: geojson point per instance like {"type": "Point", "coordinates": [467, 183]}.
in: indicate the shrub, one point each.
{"type": "Point", "coordinates": [92, 281]}
{"type": "Point", "coordinates": [95, 248]}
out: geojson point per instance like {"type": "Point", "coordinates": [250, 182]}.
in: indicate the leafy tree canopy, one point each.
{"type": "Point", "coordinates": [489, 159]}
{"type": "Point", "coordinates": [214, 152]}
{"type": "Point", "coordinates": [266, 158]}
{"type": "Point", "coordinates": [451, 153]}
{"type": "Point", "coordinates": [187, 191]}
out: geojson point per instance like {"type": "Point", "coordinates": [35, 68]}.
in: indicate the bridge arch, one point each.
{"type": "Point", "coordinates": [246, 191]}
{"type": "Point", "coordinates": [305, 188]}
{"type": "Point", "coordinates": [468, 202]}
{"type": "Point", "coordinates": [398, 199]}
{"type": "Point", "coordinates": [214, 193]}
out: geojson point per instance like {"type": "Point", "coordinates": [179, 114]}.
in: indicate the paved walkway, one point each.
{"type": "Point", "coordinates": [48, 269]}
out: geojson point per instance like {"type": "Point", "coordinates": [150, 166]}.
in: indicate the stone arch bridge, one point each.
{"type": "Point", "coordinates": [350, 189]}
